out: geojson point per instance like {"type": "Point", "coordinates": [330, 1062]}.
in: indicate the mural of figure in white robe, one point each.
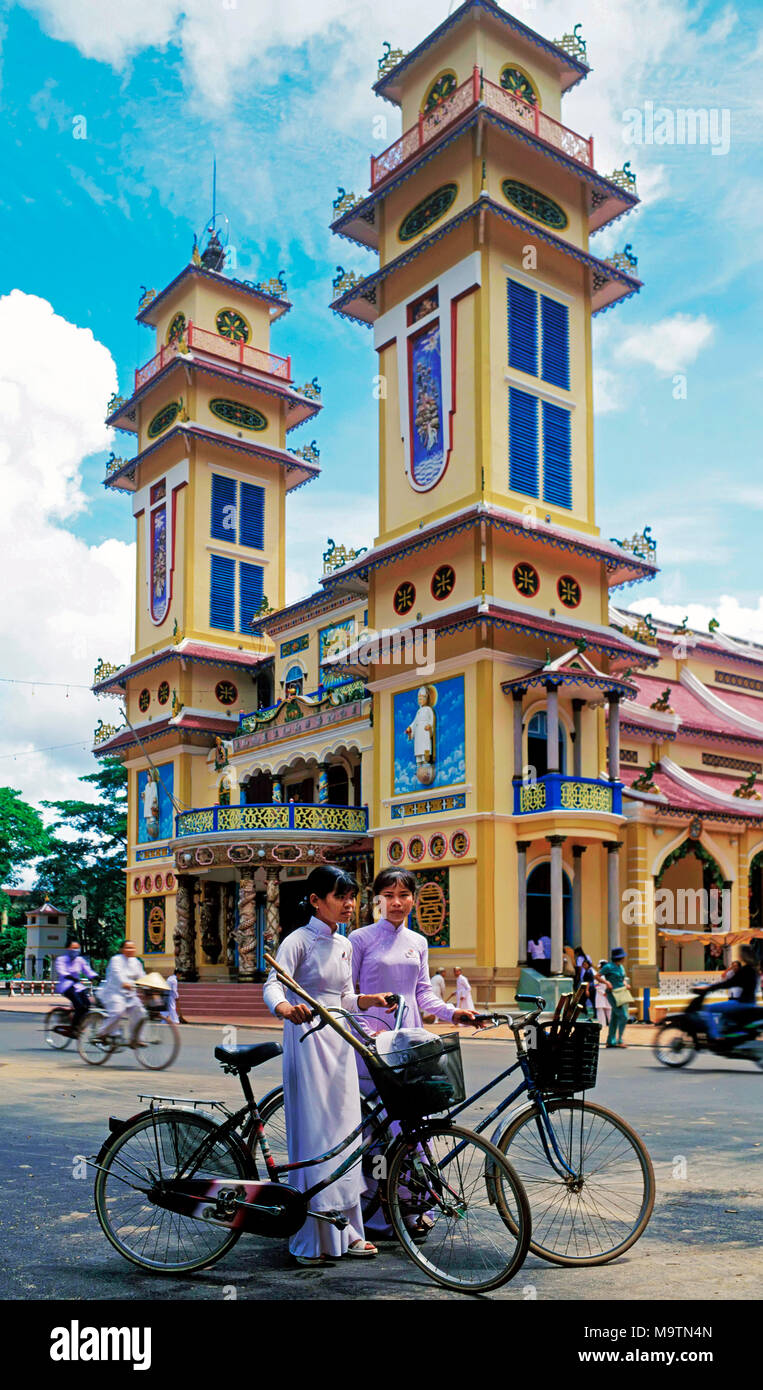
{"type": "Point", "coordinates": [422, 730]}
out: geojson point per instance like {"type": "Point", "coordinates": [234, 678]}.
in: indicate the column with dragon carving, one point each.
{"type": "Point", "coordinates": [229, 911]}
{"type": "Point", "coordinates": [272, 911]}
{"type": "Point", "coordinates": [210, 921]}
{"type": "Point", "coordinates": [247, 927]}
{"type": "Point", "coordinates": [185, 929]}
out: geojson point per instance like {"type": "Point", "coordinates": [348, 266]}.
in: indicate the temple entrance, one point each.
{"type": "Point", "coordinates": [292, 890]}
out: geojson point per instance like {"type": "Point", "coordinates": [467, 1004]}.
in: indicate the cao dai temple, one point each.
{"type": "Point", "coordinates": [467, 698]}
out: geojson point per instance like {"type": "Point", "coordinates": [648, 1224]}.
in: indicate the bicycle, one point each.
{"type": "Point", "coordinates": [588, 1176]}
{"type": "Point", "coordinates": [59, 1029]}
{"type": "Point", "coordinates": [155, 1040]}
{"type": "Point", "coordinates": [175, 1189]}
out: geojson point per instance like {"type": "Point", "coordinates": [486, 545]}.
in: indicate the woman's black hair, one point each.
{"type": "Point", "coordinates": [387, 878]}
{"type": "Point", "coordinates": [325, 879]}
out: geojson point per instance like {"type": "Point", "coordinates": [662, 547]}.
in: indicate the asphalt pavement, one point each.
{"type": "Point", "coordinates": [701, 1126]}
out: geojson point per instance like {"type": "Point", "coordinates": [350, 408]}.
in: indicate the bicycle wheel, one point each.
{"type": "Point", "coordinates": [274, 1119]}
{"type": "Point", "coordinates": [58, 1018]}
{"type": "Point", "coordinates": [472, 1245]}
{"type": "Point", "coordinates": [156, 1043]}
{"type": "Point", "coordinates": [597, 1214]}
{"type": "Point", "coordinates": [674, 1046]}
{"type": "Point", "coordinates": [92, 1049]}
{"type": "Point", "coordinates": [148, 1235]}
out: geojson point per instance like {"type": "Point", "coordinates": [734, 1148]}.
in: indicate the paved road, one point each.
{"type": "Point", "coordinates": [702, 1128]}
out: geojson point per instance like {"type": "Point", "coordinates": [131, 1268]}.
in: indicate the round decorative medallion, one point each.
{"type": "Point", "coordinates": [437, 846]}
{"type": "Point", "coordinates": [430, 908]}
{"type": "Point", "coordinates": [428, 211]}
{"type": "Point", "coordinates": [568, 590]}
{"type": "Point", "coordinates": [148, 883]}
{"type": "Point", "coordinates": [404, 599]}
{"type": "Point", "coordinates": [515, 81]}
{"type": "Point", "coordinates": [158, 883]}
{"type": "Point", "coordinates": [442, 87]}
{"type": "Point", "coordinates": [459, 843]}
{"type": "Point", "coordinates": [226, 692]}
{"type": "Point", "coordinates": [137, 884]}
{"type": "Point", "coordinates": [176, 329]}
{"type": "Point", "coordinates": [526, 578]}
{"type": "Point", "coordinates": [236, 413]}
{"type": "Point", "coordinates": [156, 925]}
{"type": "Point", "coordinates": [169, 882]}
{"type": "Point", "coordinates": [231, 324]}
{"type": "Point", "coordinates": [163, 419]}
{"type": "Point", "coordinates": [163, 693]}
{"type": "Point", "coordinates": [534, 203]}
{"type": "Point", "coordinates": [443, 582]}
{"type": "Point", "coordinates": [395, 851]}
{"type": "Point", "coordinates": [416, 849]}
{"type": "Point", "coordinates": [695, 828]}
{"type": "Point", "coordinates": [144, 700]}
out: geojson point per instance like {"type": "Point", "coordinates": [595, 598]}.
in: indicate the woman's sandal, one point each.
{"type": "Point", "coordinates": [320, 1260]}
{"type": "Point", "coordinates": [362, 1250]}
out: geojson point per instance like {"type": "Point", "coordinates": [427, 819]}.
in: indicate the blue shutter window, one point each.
{"type": "Point", "coordinates": [555, 342]}
{"type": "Point", "coordinates": [222, 612]}
{"type": "Point", "coordinates": [252, 527]}
{"type": "Point", "coordinates": [557, 472]}
{"type": "Point", "coordinates": [223, 526]}
{"type": "Point", "coordinates": [250, 593]}
{"type": "Point", "coordinates": [523, 442]}
{"type": "Point", "coordinates": [523, 328]}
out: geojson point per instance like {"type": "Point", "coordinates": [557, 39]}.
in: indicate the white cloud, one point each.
{"type": "Point", "coordinates": [68, 602]}
{"type": "Point", "coordinates": [313, 515]}
{"type": "Point", "coordinates": [607, 392]}
{"type": "Point", "coordinates": [670, 345]}
{"type": "Point", "coordinates": [735, 619]}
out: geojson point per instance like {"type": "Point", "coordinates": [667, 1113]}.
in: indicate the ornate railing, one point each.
{"type": "Point", "coordinates": [202, 340]}
{"type": "Point", "coordinates": [476, 91]}
{"type": "Point", "coordinates": [555, 792]}
{"type": "Point", "coordinates": [222, 820]}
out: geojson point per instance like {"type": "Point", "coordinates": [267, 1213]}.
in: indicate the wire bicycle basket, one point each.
{"type": "Point", "coordinates": [420, 1078]}
{"type": "Point", "coordinates": [565, 1064]}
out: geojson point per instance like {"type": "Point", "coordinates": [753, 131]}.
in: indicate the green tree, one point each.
{"type": "Point", "coordinates": [12, 949]}
{"type": "Point", "coordinates": [87, 858]}
{"type": "Point", "coordinates": [22, 835]}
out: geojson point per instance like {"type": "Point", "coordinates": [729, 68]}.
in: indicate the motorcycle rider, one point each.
{"type": "Point", "coordinates": [744, 984]}
{"type": "Point", "coordinates": [73, 974]}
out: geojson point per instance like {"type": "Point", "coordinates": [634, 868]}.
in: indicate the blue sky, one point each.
{"type": "Point", "coordinates": [282, 96]}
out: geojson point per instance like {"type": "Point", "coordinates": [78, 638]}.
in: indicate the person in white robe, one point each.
{"type": "Point", "coordinates": [320, 1077]}
{"type": "Point", "coordinates": [464, 998]}
{"type": "Point", "coordinates": [117, 995]}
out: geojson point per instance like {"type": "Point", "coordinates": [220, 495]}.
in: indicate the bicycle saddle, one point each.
{"type": "Point", "coordinates": [244, 1058]}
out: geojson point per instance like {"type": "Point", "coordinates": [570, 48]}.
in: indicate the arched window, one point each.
{"type": "Point", "coordinates": [539, 904]}
{"type": "Point", "coordinates": [537, 744]}
{"type": "Point", "coordinates": [294, 677]}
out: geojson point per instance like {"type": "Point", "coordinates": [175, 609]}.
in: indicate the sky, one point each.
{"type": "Point", "coordinates": [111, 117]}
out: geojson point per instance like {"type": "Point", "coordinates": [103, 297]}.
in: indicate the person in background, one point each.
{"type": "Point", "coordinates": [171, 1011]}
{"type": "Point", "coordinates": [613, 972]}
{"type": "Point", "coordinates": [464, 1000]}
{"type": "Point", "coordinates": [73, 975]}
{"type": "Point", "coordinates": [545, 961]}
{"type": "Point", "coordinates": [586, 976]}
{"type": "Point", "coordinates": [437, 984]}
{"type": "Point", "coordinates": [118, 994]}
{"type": "Point", "coordinates": [602, 1005]}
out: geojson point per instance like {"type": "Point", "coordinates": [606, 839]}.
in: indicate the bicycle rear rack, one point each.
{"type": "Point", "coordinates": [195, 1102]}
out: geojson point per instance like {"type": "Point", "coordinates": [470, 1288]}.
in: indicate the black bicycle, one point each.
{"type": "Point", "coordinates": [588, 1176]}
{"type": "Point", "coordinates": [176, 1188]}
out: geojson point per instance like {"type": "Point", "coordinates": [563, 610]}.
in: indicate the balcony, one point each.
{"type": "Point", "coordinates": [275, 816]}
{"type": "Point", "coordinates": [206, 344]}
{"type": "Point", "coordinates": [555, 792]}
{"type": "Point", "coordinates": [476, 91]}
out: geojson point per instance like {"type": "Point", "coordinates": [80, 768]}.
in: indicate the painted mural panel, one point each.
{"type": "Point", "coordinates": [427, 436]}
{"type": "Point", "coordinates": [159, 567]}
{"type": "Point", "coordinates": [331, 641]}
{"type": "Point", "coordinates": [431, 910]}
{"type": "Point", "coordinates": [154, 926]}
{"type": "Point", "coordinates": [155, 809]}
{"type": "Point", "coordinates": [429, 736]}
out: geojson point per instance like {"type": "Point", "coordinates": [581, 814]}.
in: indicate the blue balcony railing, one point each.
{"type": "Point", "coordinates": [296, 815]}
{"type": "Point", "coordinates": [555, 792]}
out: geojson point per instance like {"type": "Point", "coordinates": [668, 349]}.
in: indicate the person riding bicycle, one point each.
{"type": "Point", "coordinates": [73, 976]}
{"type": "Point", "coordinates": [743, 983]}
{"type": "Point", "coordinates": [118, 993]}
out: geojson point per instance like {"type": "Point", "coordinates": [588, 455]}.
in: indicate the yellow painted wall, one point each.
{"type": "Point", "coordinates": [200, 300]}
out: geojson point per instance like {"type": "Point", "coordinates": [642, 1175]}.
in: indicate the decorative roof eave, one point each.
{"type": "Point", "coordinates": [301, 471]}
{"type": "Point", "coordinates": [664, 807]}
{"type": "Point", "coordinates": [183, 651]}
{"type": "Point", "coordinates": [359, 302]}
{"type": "Point", "coordinates": [571, 70]}
{"type": "Point", "coordinates": [302, 611]}
{"type": "Point", "coordinates": [350, 224]}
{"type": "Point", "coordinates": [585, 680]}
{"type": "Point", "coordinates": [296, 403]}
{"type": "Point", "coordinates": [696, 787]}
{"type": "Point", "coordinates": [278, 306]}
{"type": "Point", "coordinates": [622, 566]}
{"type": "Point", "coordinates": [149, 733]}
{"type": "Point", "coordinates": [649, 733]}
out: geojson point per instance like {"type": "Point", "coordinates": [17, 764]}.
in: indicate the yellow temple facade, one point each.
{"type": "Point", "coordinates": [461, 698]}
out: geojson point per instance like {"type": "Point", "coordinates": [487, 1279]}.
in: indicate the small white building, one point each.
{"type": "Point", "coordinates": [46, 931]}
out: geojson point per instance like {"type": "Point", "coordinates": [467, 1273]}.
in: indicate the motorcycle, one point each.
{"type": "Point", "coordinates": [682, 1035]}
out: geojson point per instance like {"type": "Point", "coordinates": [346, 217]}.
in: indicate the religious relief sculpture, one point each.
{"type": "Point", "coordinates": [423, 732]}
{"type": "Point", "coordinates": [221, 753]}
{"type": "Point", "coordinates": [272, 909]}
{"type": "Point", "coordinates": [184, 937]}
{"type": "Point", "coordinates": [247, 927]}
